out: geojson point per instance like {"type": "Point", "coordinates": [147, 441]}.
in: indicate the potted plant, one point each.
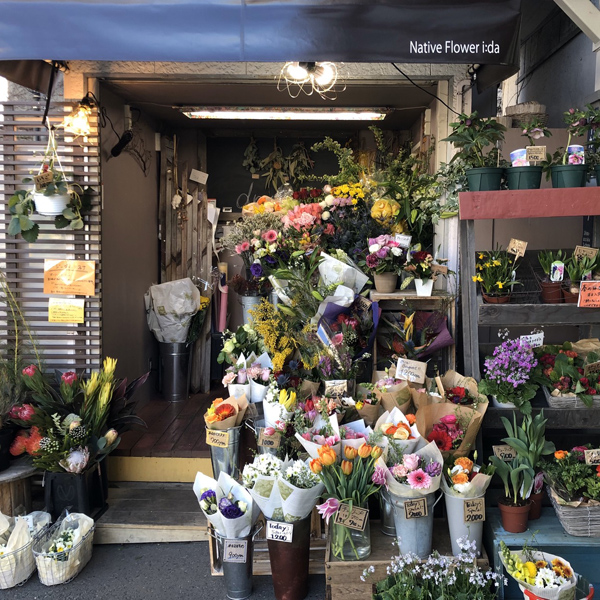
{"type": "Point", "coordinates": [551, 283]}
{"type": "Point", "coordinates": [522, 175]}
{"type": "Point", "coordinates": [529, 442]}
{"type": "Point", "coordinates": [517, 477]}
{"type": "Point", "coordinates": [422, 269]}
{"type": "Point", "coordinates": [471, 134]}
{"type": "Point", "coordinates": [577, 269]}
{"type": "Point", "coordinates": [507, 376]}
{"type": "Point", "coordinates": [384, 259]}
{"type": "Point", "coordinates": [496, 275]}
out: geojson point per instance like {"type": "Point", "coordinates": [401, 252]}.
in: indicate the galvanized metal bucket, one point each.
{"type": "Point", "coordinates": [174, 371]}
{"type": "Point", "coordinates": [249, 303]}
{"type": "Point", "coordinates": [388, 525]}
{"type": "Point", "coordinates": [458, 528]}
{"type": "Point", "coordinates": [227, 459]}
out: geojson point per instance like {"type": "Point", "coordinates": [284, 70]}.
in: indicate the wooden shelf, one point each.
{"type": "Point", "coordinates": [558, 418]}
{"type": "Point", "coordinates": [501, 315]}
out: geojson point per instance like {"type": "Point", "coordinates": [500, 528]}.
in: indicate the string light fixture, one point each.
{"type": "Point", "coordinates": [78, 121]}
{"type": "Point", "coordinates": [322, 78]}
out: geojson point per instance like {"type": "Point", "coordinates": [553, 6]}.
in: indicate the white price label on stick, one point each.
{"type": "Point", "coordinates": [535, 340]}
{"type": "Point", "coordinates": [280, 532]}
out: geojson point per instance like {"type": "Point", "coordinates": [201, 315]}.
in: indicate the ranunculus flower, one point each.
{"type": "Point", "coordinates": [70, 377]}
{"type": "Point", "coordinates": [328, 508]}
{"type": "Point", "coordinates": [448, 420]}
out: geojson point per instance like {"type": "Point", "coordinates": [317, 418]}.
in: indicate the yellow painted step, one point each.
{"type": "Point", "coordinates": [148, 468]}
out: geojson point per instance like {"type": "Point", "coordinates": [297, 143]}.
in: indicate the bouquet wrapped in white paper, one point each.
{"type": "Point", "coordinates": [314, 438]}
{"type": "Point", "coordinates": [278, 406]}
{"type": "Point", "coordinates": [465, 480]}
{"type": "Point", "coordinates": [227, 505]}
{"type": "Point", "coordinates": [344, 272]}
{"type": "Point", "coordinates": [399, 433]}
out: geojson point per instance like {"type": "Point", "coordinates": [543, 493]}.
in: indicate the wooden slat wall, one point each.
{"type": "Point", "coordinates": [23, 140]}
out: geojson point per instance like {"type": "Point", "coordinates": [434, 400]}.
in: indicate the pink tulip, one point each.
{"type": "Point", "coordinates": [328, 508]}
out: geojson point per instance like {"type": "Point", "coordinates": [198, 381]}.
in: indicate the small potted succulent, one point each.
{"type": "Point", "coordinates": [551, 283]}
{"type": "Point", "coordinates": [523, 175]}
{"type": "Point", "coordinates": [471, 135]}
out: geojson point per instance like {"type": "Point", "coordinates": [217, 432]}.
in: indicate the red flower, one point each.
{"type": "Point", "coordinates": [296, 195]}
{"type": "Point", "coordinates": [27, 411]}
{"type": "Point", "coordinates": [19, 444]}
{"type": "Point", "coordinates": [442, 440]}
{"type": "Point", "coordinates": [70, 377]}
{"type": "Point", "coordinates": [598, 471]}
{"type": "Point", "coordinates": [30, 371]}
{"type": "Point", "coordinates": [584, 381]}
{"type": "Point", "coordinates": [592, 391]}
{"type": "Point", "coordinates": [315, 192]}
{"type": "Point", "coordinates": [420, 256]}
{"type": "Point", "coordinates": [32, 445]}
{"type": "Point", "coordinates": [456, 394]}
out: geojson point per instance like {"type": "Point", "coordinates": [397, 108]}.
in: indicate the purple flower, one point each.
{"type": "Point", "coordinates": [433, 469]}
{"type": "Point", "coordinates": [256, 270]}
{"type": "Point", "coordinates": [382, 252]}
{"type": "Point", "coordinates": [208, 494]}
{"type": "Point", "coordinates": [372, 261]}
{"type": "Point", "coordinates": [328, 508]}
{"type": "Point", "coordinates": [378, 477]}
{"type": "Point", "coordinates": [229, 510]}
{"type": "Point", "coordinates": [270, 260]}
{"type": "Point", "coordinates": [242, 376]}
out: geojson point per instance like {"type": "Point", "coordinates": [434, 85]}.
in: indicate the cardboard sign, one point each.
{"type": "Point", "coordinates": [415, 509]}
{"type": "Point", "coordinates": [504, 452]}
{"type": "Point", "coordinates": [535, 153]}
{"type": "Point", "coordinates": [235, 551]}
{"type": "Point", "coordinates": [474, 510]}
{"type": "Point", "coordinates": [42, 180]}
{"type": "Point", "coordinates": [591, 368]}
{"type": "Point", "coordinates": [411, 370]}
{"type": "Point", "coordinates": [581, 251]}
{"type": "Point", "coordinates": [66, 310]}
{"type": "Point", "coordinates": [535, 340]}
{"type": "Point", "coordinates": [268, 441]}
{"type": "Point", "coordinates": [589, 294]}
{"type": "Point", "coordinates": [403, 240]}
{"type": "Point", "coordinates": [199, 176]}
{"type": "Point", "coordinates": [442, 269]}
{"type": "Point", "coordinates": [218, 439]}
{"type": "Point", "coordinates": [592, 457]}
{"type": "Point", "coordinates": [517, 247]}
{"type": "Point", "coordinates": [355, 519]}
{"type": "Point", "coordinates": [280, 532]}
{"type": "Point", "coordinates": [76, 277]}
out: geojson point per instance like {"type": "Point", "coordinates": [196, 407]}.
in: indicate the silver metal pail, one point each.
{"type": "Point", "coordinates": [227, 459]}
{"type": "Point", "coordinates": [174, 371]}
{"type": "Point", "coordinates": [388, 525]}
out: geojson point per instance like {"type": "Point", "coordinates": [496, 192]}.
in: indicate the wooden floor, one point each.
{"type": "Point", "coordinates": [175, 429]}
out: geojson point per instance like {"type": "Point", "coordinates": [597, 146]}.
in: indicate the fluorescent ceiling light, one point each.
{"type": "Point", "coordinates": [285, 114]}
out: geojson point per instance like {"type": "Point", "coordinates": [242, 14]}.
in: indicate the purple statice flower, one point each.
{"type": "Point", "coordinates": [511, 362]}
{"type": "Point", "coordinates": [256, 270]}
{"type": "Point", "coordinates": [229, 509]}
{"type": "Point", "coordinates": [433, 469]}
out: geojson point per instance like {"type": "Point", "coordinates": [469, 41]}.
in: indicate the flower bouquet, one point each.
{"type": "Point", "coordinates": [392, 392]}
{"type": "Point", "coordinates": [545, 575]}
{"type": "Point", "coordinates": [400, 433]}
{"type": "Point", "coordinates": [367, 403]}
{"type": "Point", "coordinates": [225, 414]}
{"type": "Point", "coordinates": [345, 272]}
{"type": "Point", "coordinates": [328, 436]}
{"type": "Point", "coordinates": [278, 404]}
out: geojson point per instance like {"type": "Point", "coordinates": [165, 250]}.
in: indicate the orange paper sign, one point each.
{"type": "Point", "coordinates": [589, 294]}
{"type": "Point", "coordinates": [69, 277]}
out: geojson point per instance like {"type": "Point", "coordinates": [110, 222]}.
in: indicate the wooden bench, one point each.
{"type": "Point", "coordinates": [15, 487]}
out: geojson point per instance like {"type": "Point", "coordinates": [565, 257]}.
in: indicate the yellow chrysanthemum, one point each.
{"type": "Point", "coordinates": [530, 569]}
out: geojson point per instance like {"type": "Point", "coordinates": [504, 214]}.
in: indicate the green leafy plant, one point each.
{"type": "Point", "coordinates": [299, 163]}
{"type": "Point", "coordinates": [517, 477]}
{"type": "Point", "coordinates": [275, 165]}
{"type": "Point", "coordinates": [494, 272]}
{"type": "Point", "coordinates": [577, 268]}
{"type": "Point", "coordinates": [571, 478]}
{"type": "Point", "coordinates": [547, 257]}
{"type": "Point", "coordinates": [251, 160]}
{"type": "Point", "coordinates": [529, 438]}
{"type": "Point", "coordinates": [349, 170]}
{"type": "Point", "coordinates": [534, 130]}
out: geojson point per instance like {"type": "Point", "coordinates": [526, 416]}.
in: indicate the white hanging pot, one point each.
{"type": "Point", "coordinates": [50, 206]}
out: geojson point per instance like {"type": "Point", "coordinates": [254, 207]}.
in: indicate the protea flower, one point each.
{"type": "Point", "coordinates": [76, 461]}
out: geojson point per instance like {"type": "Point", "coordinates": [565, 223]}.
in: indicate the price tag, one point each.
{"type": "Point", "coordinates": [474, 510]}
{"type": "Point", "coordinates": [557, 271]}
{"type": "Point", "coordinates": [353, 519]}
{"type": "Point", "coordinates": [255, 176]}
{"type": "Point", "coordinates": [592, 457]}
{"type": "Point", "coordinates": [535, 153]}
{"type": "Point", "coordinates": [42, 180]}
{"type": "Point", "coordinates": [581, 251]}
{"type": "Point", "coordinates": [280, 532]}
{"type": "Point", "coordinates": [411, 370]}
{"type": "Point", "coordinates": [591, 368]}
{"type": "Point", "coordinates": [219, 439]}
{"type": "Point", "coordinates": [441, 269]}
{"type": "Point", "coordinates": [235, 551]}
{"type": "Point", "coordinates": [415, 509]}
{"type": "Point", "coordinates": [517, 247]}
{"type": "Point", "coordinates": [504, 452]}
{"type": "Point", "coordinates": [268, 441]}
{"type": "Point", "coordinates": [28, 519]}
{"type": "Point", "coordinates": [589, 294]}
{"type": "Point", "coordinates": [535, 340]}
{"type": "Point", "coordinates": [403, 240]}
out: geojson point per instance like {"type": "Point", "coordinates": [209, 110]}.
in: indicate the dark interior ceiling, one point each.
{"type": "Point", "coordinates": [157, 99]}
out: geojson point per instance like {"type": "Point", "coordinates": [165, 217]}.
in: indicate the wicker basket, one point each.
{"type": "Point", "coordinates": [55, 568]}
{"type": "Point", "coordinates": [569, 402]}
{"type": "Point", "coordinates": [582, 521]}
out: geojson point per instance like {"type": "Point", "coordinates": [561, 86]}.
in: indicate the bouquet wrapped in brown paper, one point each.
{"type": "Point", "coordinates": [453, 428]}
{"type": "Point", "coordinates": [368, 403]}
{"type": "Point", "coordinates": [392, 392]}
{"type": "Point", "coordinates": [225, 414]}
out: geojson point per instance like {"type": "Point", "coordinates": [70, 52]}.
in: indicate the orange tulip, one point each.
{"type": "Point", "coordinates": [327, 455]}
{"type": "Point", "coordinates": [350, 453]}
{"type": "Point", "coordinates": [560, 454]}
{"type": "Point", "coordinates": [365, 451]}
{"type": "Point", "coordinates": [346, 467]}
{"type": "Point", "coordinates": [316, 466]}
{"type": "Point", "coordinates": [376, 452]}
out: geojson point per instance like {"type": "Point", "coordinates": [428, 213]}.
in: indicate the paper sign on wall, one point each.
{"type": "Point", "coordinates": [517, 247]}
{"type": "Point", "coordinates": [65, 310]}
{"type": "Point", "coordinates": [76, 277]}
{"type": "Point", "coordinates": [411, 370]}
{"type": "Point", "coordinates": [589, 294]}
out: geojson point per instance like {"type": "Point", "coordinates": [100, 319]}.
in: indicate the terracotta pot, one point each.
{"type": "Point", "coordinates": [536, 505]}
{"type": "Point", "coordinates": [551, 292]}
{"type": "Point", "coordinates": [569, 297]}
{"type": "Point", "coordinates": [385, 283]}
{"type": "Point", "coordinates": [514, 518]}
{"type": "Point", "coordinates": [496, 299]}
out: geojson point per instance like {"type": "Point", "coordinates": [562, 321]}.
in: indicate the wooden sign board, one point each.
{"type": "Point", "coordinates": [280, 532]}
{"type": "Point", "coordinates": [535, 153]}
{"type": "Point", "coordinates": [517, 247]}
{"type": "Point", "coordinates": [474, 510]}
{"type": "Point", "coordinates": [589, 294]}
{"type": "Point", "coordinates": [268, 441]}
{"type": "Point", "coordinates": [353, 519]}
{"type": "Point", "coordinates": [504, 452]}
{"type": "Point", "coordinates": [235, 551]}
{"type": "Point", "coordinates": [66, 310]}
{"type": "Point", "coordinates": [411, 370]}
{"type": "Point", "coordinates": [42, 180]}
{"type": "Point", "coordinates": [77, 277]}
{"type": "Point", "coordinates": [591, 368]}
{"type": "Point", "coordinates": [592, 457]}
{"type": "Point", "coordinates": [415, 509]}
{"type": "Point", "coordinates": [581, 251]}
{"type": "Point", "coordinates": [218, 439]}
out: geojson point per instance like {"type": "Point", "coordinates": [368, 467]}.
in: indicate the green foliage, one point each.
{"type": "Point", "coordinates": [517, 477]}
{"type": "Point", "coordinates": [251, 160]}
{"type": "Point", "coordinates": [529, 438]}
{"type": "Point", "coordinates": [275, 165]}
{"type": "Point", "coordinates": [349, 170]}
{"type": "Point", "coordinates": [298, 163]}
{"type": "Point", "coordinates": [573, 479]}
{"type": "Point", "coordinates": [547, 257]}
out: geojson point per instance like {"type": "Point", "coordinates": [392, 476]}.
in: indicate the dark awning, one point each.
{"type": "Point", "coordinates": [418, 31]}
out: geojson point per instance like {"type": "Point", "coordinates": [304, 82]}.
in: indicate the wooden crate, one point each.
{"type": "Point", "coordinates": [261, 562]}
{"type": "Point", "coordinates": [343, 577]}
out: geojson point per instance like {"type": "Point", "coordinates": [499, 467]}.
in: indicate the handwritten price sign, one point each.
{"type": "Point", "coordinates": [411, 370]}
{"type": "Point", "coordinates": [218, 439]}
{"type": "Point", "coordinates": [235, 551]}
{"type": "Point", "coordinates": [353, 518]}
{"type": "Point", "coordinates": [268, 441]}
{"type": "Point", "coordinates": [504, 452]}
{"type": "Point", "coordinates": [589, 294]}
{"type": "Point", "coordinates": [415, 509]}
{"type": "Point", "coordinates": [592, 457]}
{"type": "Point", "coordinates": [280, 532]}
{"type": "Point", "coordinates": [474, 510]}
{"type": "Point", "coordinates": [517, 247]}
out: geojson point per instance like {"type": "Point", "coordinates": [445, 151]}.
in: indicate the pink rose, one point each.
{"type": "Point", "coordinates": [449, 420]}
{"type": "Point", "coordinates": [265, 374]}
{"type": "Point", "coordinates": [228, 378]}
{"type": "Point", "coordinates": [399, 471]}
{"type": "Point", "coordinates": [242, 376]}
{"type": "Point", "coordinates": [411, 461]}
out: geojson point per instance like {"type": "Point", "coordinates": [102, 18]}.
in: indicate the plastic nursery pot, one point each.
{"type": "Point", "coordinates": [566, 176]}
{"type": "Point", "coordinates": [535, 511]}
{"type": "Point", "coordinates": [551, 292]}
{"type": "Point", "coordinates": [514, 518]}
{"type": "Point", "coordinates": [496, 299]}
{"type": "Point", "coordinates": [524, 178]}
{"type": "Point", "coordinates": [569, 297]}
{"type": "Point", "coordinates": [385, 283]}
{"type": "Point", "coordinates": [484, 179]}
{"type": "Point", "coordinates": [52, 205]}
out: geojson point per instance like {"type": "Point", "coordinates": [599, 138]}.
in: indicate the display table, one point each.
{"type": "Point", "coordinates": [547, 535]}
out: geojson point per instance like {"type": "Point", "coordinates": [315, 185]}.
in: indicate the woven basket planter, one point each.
{"type": "Point", "coordinates": [580, 521]}
{"type": "Point", "coordinates": [569, 401]}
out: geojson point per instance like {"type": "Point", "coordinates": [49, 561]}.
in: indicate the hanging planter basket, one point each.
{"type": "Point", "coordinates": [50, 206]}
